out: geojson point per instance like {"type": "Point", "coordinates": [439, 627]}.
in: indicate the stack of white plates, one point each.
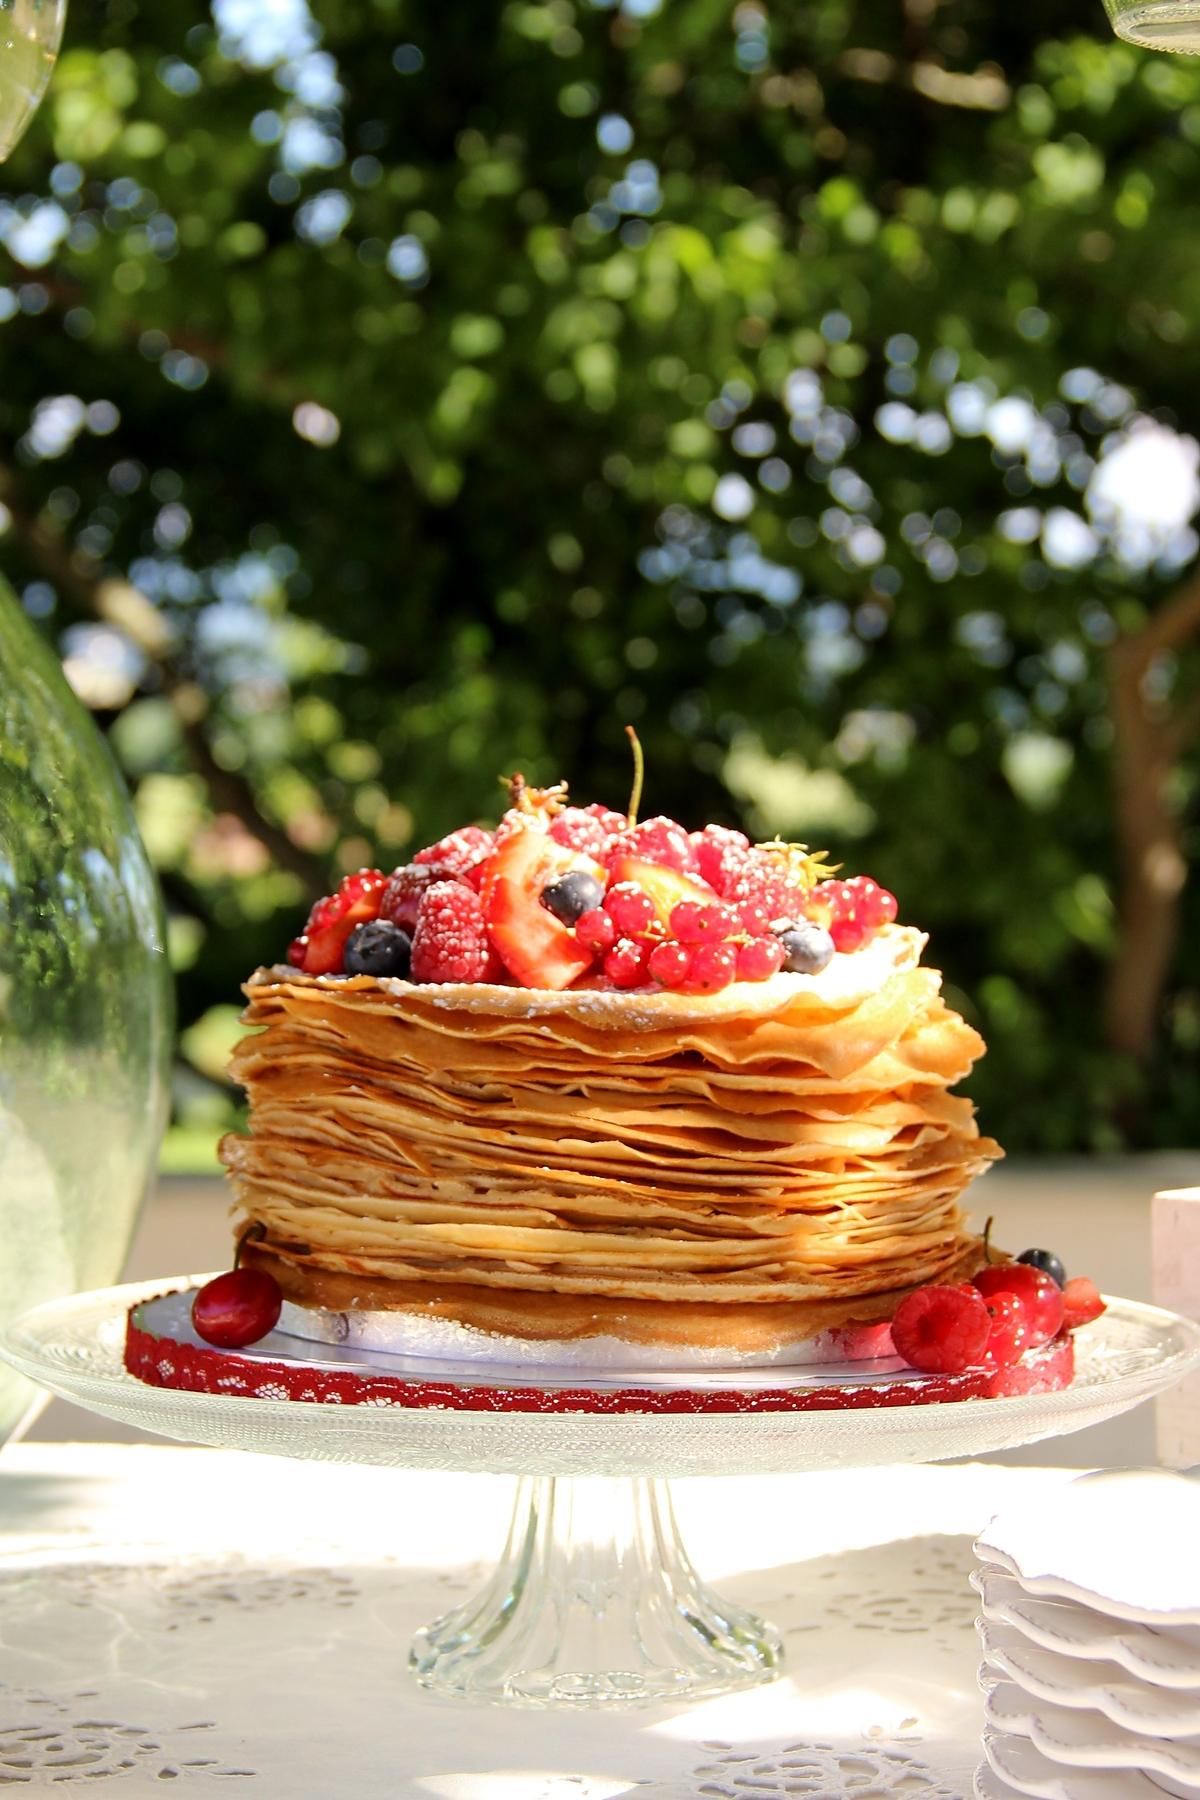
{"type": "Point", "coordinates": [1091, 1642]}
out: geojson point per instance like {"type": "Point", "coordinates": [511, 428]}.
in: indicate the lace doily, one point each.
{"type": "Point", "coordinates": [236, 1623]}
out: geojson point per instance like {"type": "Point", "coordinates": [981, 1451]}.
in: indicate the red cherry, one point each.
{"type": "Point", "coordinates": [1009, 1334]}
{"type": "Point", "coordinates": [237, 1308]}
{"type": "Point", "coordinates": [1038, 1293]}
{"type": "Point", "coordinates": [941, 1329]}
{"type": "Point", "coordinates": [1081, 1302]}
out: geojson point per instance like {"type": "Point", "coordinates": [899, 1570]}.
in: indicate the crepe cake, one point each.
{"type": "Point", "coordinates": [584, 1092]}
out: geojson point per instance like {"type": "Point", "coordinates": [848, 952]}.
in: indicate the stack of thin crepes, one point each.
{"type": "Point", "coordinates": [742, 1169]}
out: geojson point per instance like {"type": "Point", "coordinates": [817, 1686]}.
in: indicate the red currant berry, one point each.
{"type": "Point", "coordinates": [848, 932]}
{"type": "Point", "coordinates": [756, 917]}
{"type": "Point", "coordinates": [1009, 1334]}
{"type": "Point", "coordinates": [625, 964]}
{"type": "Point", "coordinates": [713, 967]}
{"type": "Point", "coordinates": [670, 963]}
{"type": "Point", "coordinates": [694, 922]}
{"type": "Point", "coordinates": [630, 907]}
{"type": "Point", "coordinates": [941, 1329]}
{"type": "Point", "coordinates": [1041, 1297]}
{"type": "Point", "coordinates": [887, 906]}
{"type": "Point", "coordinates": [596, 930]}
{"type": "Point", "coordinates": [237, 1308]}
{"type": "Point", "coordinates": [761, 958]}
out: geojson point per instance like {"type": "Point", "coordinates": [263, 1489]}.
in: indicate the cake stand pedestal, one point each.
{"type": "Point", "coordinates": [594, 1602]}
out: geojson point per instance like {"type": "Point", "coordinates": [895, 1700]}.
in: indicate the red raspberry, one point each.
{"type": "Point", "coordinates": [657, 840]}
{"type": "Point", "coordinates": [755, 917]}
{"type": "Point", "coordinates": [1081, 1302]}
{"type": "Point", "coordinates": [450, 942]}
{"type": "Point", "coordinates": [713, 967]}
{"type": "Point", "coordinates": [718, 851]}
{"type": "Point", "coordinates": [1009, 1333]}
{"type": "Point", "coordinates": [1039, 1294]}
{"type": "Point", "coordinates": [630, 908]}
{"type": "Point", "coordinates": [459, 852]}
{"type": "Point", "coordinates": [625, 964]}
{"type": "Point", "coordinates": [692, 922]}
{"type": "Point", "coordinates": [596, 930]}
{"type": "Point", "coordinates": [761, 958]}
{"type": "Point", "coordinates": [406, 889]}
{"type": "Point", "coordinates": [942, 1330]}
{"type": "Point", "coordinates": [670, 963]}
{"type": "Point", "coordinates": [589, 829]}
{"type": "Point", "coordinates": [758, 879]}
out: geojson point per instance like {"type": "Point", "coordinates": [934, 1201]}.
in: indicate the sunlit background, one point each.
{"type": "Point", "coordinates": [397, 395]}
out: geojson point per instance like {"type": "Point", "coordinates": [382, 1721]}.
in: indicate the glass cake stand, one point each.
{"type": "Point", "coordinates": [594, 1601]}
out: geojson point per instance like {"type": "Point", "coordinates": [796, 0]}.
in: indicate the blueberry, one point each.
{"type": "Point", "coordinates": [377, 948]}
{"type": "Point", "coordinates": [809, 949]}
{"type": "Point", "coordinates": [572, 895]}
{"type": "Point", "coordinates": [1047, 1262]}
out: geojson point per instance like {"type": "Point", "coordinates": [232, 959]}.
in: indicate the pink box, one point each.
{"type": "Point", "coordinates": [1175, 1260]}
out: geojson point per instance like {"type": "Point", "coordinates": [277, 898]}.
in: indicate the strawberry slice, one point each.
{"type": "Point", "coordinates": [1081, 1302]}
{"type": "Point", "coordinates": [537, 949]}
{"type": "Point", "coordinates": [358, 899]}
{"type": "Point", "coordinates": [666, 887]}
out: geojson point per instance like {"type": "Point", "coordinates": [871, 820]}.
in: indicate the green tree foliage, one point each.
{"type": "Point", "coordinates": [401, 395]}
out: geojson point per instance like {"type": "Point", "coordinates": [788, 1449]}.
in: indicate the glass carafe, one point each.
{"type": "Point", "coordinates": [30, 31]}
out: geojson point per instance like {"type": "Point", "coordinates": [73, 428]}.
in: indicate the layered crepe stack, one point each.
{"type": "Point", "coordinates": [754, 1168]}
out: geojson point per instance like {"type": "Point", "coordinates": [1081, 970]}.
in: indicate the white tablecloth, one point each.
{"type": "Point", "coordinates": [227, 1620]}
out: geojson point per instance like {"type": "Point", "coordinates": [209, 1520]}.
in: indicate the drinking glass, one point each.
{"type": "Point", "coordinates": [30, 32]}
{"type": "Point", "coordinates": [85, 999]}
{"type": "Point", "coordinates": [1157, 24]}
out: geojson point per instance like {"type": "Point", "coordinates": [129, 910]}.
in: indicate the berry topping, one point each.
{"type": "Point", "coordinates": [942, 1329]}
{"type": "Point", "coordinates": [625, 964]}
{"type": "Point", "coordinates": [537, 949]}
{"type": "Point", "coordinates": [405, 890]}
{"type": "Point", "coordinates": [1009, 1333]}
{"type": "Point", "coordinates": [573, 894]}
{"type": "Point", "coordinates": [666, 887]}
{"type": "Point", "coordinates": [759, 959]}
{"type": "Point", "coordinates": [1081, 1302]}
{"type": "Point", "coordinates": [461, 852]}
{"type": "Point", "coordinates": [807, 949]}
{"type": "Point", "coordinates": [1040, 1296]}
{"type": "Point", "coordinates": [713, 966]}
{"type": "Point", "coordinates": [450, 942]}
{"type": "Point", "coordinates": [589, 829]}
{"type": "Point", "coordinates": [596, 930]}
{"type": "Point", "coordinates": [1047, 1262]}
{"type": "Point", "coordinates": [853, 910]}
{"type": "Point", "coordinates": [658, 840]}
{"type": "Point", "coordinates": [237, 1308]}
{"type": "Point", "coordinates": [669, 963]}
{"type": "Point", "coordinates": [718, 853]}
{"type": "Point", "coordinates": [631, 908]}
{"type": "Point", "coordinates": [695, 922]}
{"type": "Point", "coordinates": [377, 948]}
{"type": "Point", "coordinates": [319, 950]}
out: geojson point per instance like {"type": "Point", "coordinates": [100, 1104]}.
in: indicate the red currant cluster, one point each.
{"type": "Point", "coordinates": [992, 1321]}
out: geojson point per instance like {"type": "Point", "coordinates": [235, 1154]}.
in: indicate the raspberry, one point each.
{"type": "Point", "coordinates": [755, 917]}
{"type": "Point", "coordinates": [713, 967]}
{"type": "Point", "coordinates": [451, 942]}
{"type": "Point", "coordinates": [631, 909]}
{"type": "Point", "coordinates": [694, 923]}
{"type": "Point", "coordinates": [459, 852]}
{"type": "Point", "coordinates": [670, 963]}
{"type": "Point", "coordinates": [717, 852]}
{"type": "Point", "coordinates": [754, 877]}
{"type": "Point", "coordinates": [1009, 1332]}
{"type": "Point", "coordinates": [942, 1330]}
{"type": "Point", "coordinates": [407, 887]}
{"type": "Point", "coordinates": [1039, 1294]}
{"type": "Point", "coordinates": [596, 930]}
{"type": "Point", "coordinates": [1081, 1302]}
{"type": "Point", "coordinates": [761, 958]}
{"type": "Point", "coordinates": [658, 841]}
{"type": "Point", "coordinates": [588, 829]}
{"type": "Point", "coordinates": [625, 964]}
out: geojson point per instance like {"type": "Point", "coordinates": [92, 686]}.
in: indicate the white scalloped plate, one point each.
{"type": "Point", "coordinates": [1104, 1687]}
{"type": "Point", "coordinates": [1166, 1658]}
{"type": "Point", "coordinates": [1086, 1740]}
{"type": "Point", "coordinates": [1015, 1767]}
{"type": "Point", "coordinates": [1117, 1541]}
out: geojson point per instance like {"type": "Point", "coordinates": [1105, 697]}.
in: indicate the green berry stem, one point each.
{"type": "Point", "coordinates": [639, 771]}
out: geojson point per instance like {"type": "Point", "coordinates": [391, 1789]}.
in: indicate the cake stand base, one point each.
{"type": "Point", "coordinates": [594, 1603]}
